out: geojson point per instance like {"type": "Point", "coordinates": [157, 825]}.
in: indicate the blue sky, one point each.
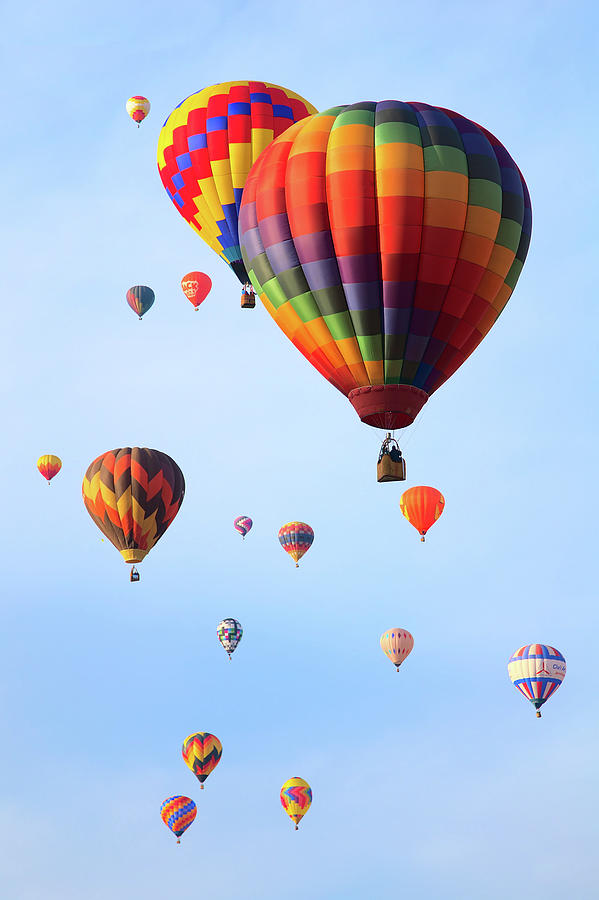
{"type": "Point", "coordinates": [438, 782]}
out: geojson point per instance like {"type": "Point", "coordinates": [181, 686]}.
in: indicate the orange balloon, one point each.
{"type": "Point", "coordinates": [422, 506]}
{"type": "Point", "coordinates": [397, 643]}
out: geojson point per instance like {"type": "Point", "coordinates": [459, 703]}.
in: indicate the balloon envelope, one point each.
{"type": "Point", "coordinates": [229, 633]}
{"type": "Point", "coordinates": [537, 670]}
{"type": "Point", "coordinates": [207, 147]}
{"type": "Point", "coordinates": [138, 108]}
{"type": "Point", "coordinates": [140, 298]}
{"type": "Point", "coordinates": [296, 798]}
{"type": "Point", "coordinates": [178, 813]}
{"type": "Point", "coordinates": [202, 752]}
{"type": "Point", "coordinates": [133, 494]}
{"type": "Point", "coordinates": [49, 465]}
{"type": "Point", "coordinates": [242, 524]}
{"type": "Point", "coordinates": [422, 506]}
{"type": "Point", "coordinates": [397, 643]}
{"type": "Point", "coordinates": [385, 239]}
{"type": "Point", "coordinates": [296, 539]}
{"type": "Point", "coordinates": [196, 287]}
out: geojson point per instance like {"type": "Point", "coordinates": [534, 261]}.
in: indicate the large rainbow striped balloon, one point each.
{"type": "Point", "coordinates": [385, 239]}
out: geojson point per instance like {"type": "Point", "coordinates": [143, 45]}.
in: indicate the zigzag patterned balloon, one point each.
{"type": "Point", "coordinates": [202, 752]}
{"type": "Point", "coordinates": [133, 494]}
{"type": "Point", "coordinates": [178, 813]}
{"type": "Point", "coordinates": [296, 797]}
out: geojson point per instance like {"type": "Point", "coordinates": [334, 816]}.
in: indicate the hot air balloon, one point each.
{"type": "Point", "coordinates": [422, 506]}
{"type": "Point", "coordinates": [140, 298]}
{"type": "Point", "coordinates": [397, 643]}
{"type": "Point", "coordinates": [196, 287]}
{"type": "Point", "coordinates": [296, 539]}
{"type": "Point", "coordinates": [138, 108]}
{"type": "Point", "coordinates": [133, 494]}
{"type": "Point", "coordinates": [202, 753]}
{"type": "Point", "coordinates": [537, 670]}
{"type": "Point", "coordinates": [206, 149]}
{"type": "Point", "coordinates": [385, 239]}
{"type": "Point", "coordinates": [49, 465]}
{"type": "Point", "coordinates": [242, 524]}
{"type": "Point", "coordinates": [296, 797]}
{"type": "Point", "coordinates": [229, 633]}
{"type": "Point", "coordinates": [178, 813]}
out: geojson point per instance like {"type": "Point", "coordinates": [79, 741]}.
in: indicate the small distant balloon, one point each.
{"type": "Point", "coordinates": [229, 633]}
{"type": "Point", "coordinates": [140, 298]}
{"type": "Point", "coordinates": [202, 752]}
{"type": "Point", "coordinates": [196, 286]}
{"type": "Point", "coordinates": [242, 524]}
{"type": "Point", "coordinates": [537, 670]}
{"type": "Point", "coordinates": [397, 643]}
{"type": "Point", "coordinates": [296, 798]}
{"type": "Point", "coordinates": [296, 539]}
{"type": "Point", "coordinates": [178, 813]}
{"type": "Point", "coordinates": [49, 465]}
{"type": "Point", "coordinates": [422, 506]}
{"type": "Point", "coordinates": [138, 108]}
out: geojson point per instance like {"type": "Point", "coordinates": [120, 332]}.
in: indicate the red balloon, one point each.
{"type": "Point", "coordinates": [196, 287]}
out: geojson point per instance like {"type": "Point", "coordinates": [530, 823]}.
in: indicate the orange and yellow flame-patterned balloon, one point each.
{"type": "Point", "coordinates": [397, 643]}
{"type": "Point", "coordinates": [133, 494]}
{"type": "Point", "coordinates": [49, 465]}
{"type": "Point", "coordinates": [296, 797]}
{"type": "Point", "coordinates": [422, 506]}
{"type": "Point", "coordinates": [202, 752]}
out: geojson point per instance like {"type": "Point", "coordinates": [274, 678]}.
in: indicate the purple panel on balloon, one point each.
{"type": "Point", "coordinates": [362, 296]}
{"type": "Point", "coordinates": [282, 256]}
{"type": "Point", "coordinates": [360, 268]}
{"type": "Point", "coordinates": [252, 243]}
{"type": "Point", "coordinates": [311, 247]}
{"type": "Point", "coordinates": [397, 321]}
{"type": "Point", "coordinates": [322, 274]}
{"type": "Point", "coordinates": [274, 229]}
{"type": "Point", "coordinates": [398, 294]}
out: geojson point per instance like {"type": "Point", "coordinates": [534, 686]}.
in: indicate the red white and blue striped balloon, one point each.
{"type": "Point", "coordinates": [537, 670]}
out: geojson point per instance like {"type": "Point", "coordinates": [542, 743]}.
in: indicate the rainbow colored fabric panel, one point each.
{"type": "Point", "coordinates": [385, 239]}
{"type": "Point", "coordinates": [537, 670]}
{"type": "Point", "coordinates": [178, 813]}
{"type": "Point", "coordinates": [208, 145]}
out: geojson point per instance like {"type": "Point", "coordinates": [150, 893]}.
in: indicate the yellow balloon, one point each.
{"type": "Point", "coordinates": [296, 797]}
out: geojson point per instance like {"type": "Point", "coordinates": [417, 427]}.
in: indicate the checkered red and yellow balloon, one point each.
{"type": "Point", "coordinates": [207, 147]}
